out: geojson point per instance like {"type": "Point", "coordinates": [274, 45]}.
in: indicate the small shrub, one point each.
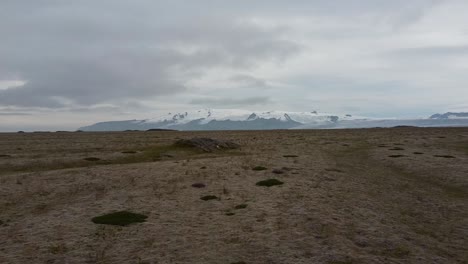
{"type": "Point", "coordinates": [57, 249]}
{"type": "Point", "coordinates": [277, 171]}
{"type": "Point", "coordinates": [121, 218]}
{"type": "Point", "coordinates": [229, 213]}
{"type": "Point", "coordinates": [240, 206]}
{"type": "Point", "coordinates": [418, 153]}
{"type": "Point", "coordinates": [92, 159]}
{"type": "Point", "coordinates": [290, 156]}
{"type": "Point", "coordinates": [397, 148]}
{"type": "Point", "coordinates": [259, 168]}
{"type": "Point", "coordinates": [209, 197]}
{"type": "Point", "coordinates": [333, 170]}
{"type": "Point", "coordinates": [129, 152]}
{"type": "Point", "coordinates": [396, 156]}
{"type": "Point", "coordinates": [269, 182]}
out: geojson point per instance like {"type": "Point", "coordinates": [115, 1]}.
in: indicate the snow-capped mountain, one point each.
{"type": "Point", "coordinates": [235, 119]}
{"type": "Point", "coordinates": [222, 119]}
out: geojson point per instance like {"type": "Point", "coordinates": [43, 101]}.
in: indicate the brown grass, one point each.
{"type": "Point", "coordinates": [338, 204]}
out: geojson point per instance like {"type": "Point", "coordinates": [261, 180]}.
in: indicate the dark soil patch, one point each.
{"type": "Point", "coordinates": [92, 159]}
{"type": "Point", "coordinates": [269, 182]}
{"type": "Point", "coordinates": [259, 168]}
{"type": "Point", "coordinates": [122, 218]}
{"type": "Point", "coordinates": [198, 185]}
{"type": "Point", "coordinates": [444, 156]}
{"type": "Point", "coordinates": [129, 152]}
{"type": "Point", "coordinates": [209, 197]}
{"type": "Point", "coordinates": [5, 156]}
{"type": "Point", "coordinates": [207, 144]}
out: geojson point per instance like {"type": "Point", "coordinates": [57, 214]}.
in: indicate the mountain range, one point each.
{"type": "Point", "coordinates": [235, 119]}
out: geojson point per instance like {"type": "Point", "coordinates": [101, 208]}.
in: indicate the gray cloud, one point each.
{"type": "Point", "coordinates": [90, 53]}
{"type": "Point", "coordinates": [431, 51]}
{"type": "Point", "coordinates": [95, 58]}
{"type": "Point", "coordinates": [232, 102]}
{"type": "Point", "coordinates": [14, 114]}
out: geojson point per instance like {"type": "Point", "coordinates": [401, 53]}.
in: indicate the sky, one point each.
{"type": "Point", "coordinates": [66, 64]}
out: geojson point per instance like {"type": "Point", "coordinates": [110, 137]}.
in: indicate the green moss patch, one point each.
{"type": "Point", "coordinates": [240, 206]}
{"type": "Point", "coordinates": [444, 156]}
{"type": "Point", "coordinates": [397, 148]}
{"type": "Point", "coordinates": [259, 168]}
{"type": "Point", "coordinates": [92, 159]}
{"type": "Point", "coordinates": [121, 218]}
{"type": "Point", "coordinates": [269, 183]}
{"type": "Point", "coordinates": [209, 197]}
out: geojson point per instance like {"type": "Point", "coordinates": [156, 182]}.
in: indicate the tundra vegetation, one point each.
{"type": "Point", "coordinates": [308, 196]}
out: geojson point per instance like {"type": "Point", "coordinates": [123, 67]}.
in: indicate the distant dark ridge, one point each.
{"type": "Point", "coordinates": [405, 126]}
{"type": "Point", "coordinates": [448, 115]}
{"type": "Point", "coordinates": [160, 129]}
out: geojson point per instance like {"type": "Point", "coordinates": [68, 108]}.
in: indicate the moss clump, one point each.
{"type": "Point", "coordinates": [240, 206]}
{"type": "Point", "coordinates": [209, 197]}
{"type": "Point", "coordinates": [121, 218]}
{"type": "Point", "coordinates": [269, 182]}
{"type": "Point", "coordinates": [259, 168]}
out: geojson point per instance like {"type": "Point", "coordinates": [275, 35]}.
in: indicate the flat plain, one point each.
{"type": "Point", "coordinates": [395, 195]}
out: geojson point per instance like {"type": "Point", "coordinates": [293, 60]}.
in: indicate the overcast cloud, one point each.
{"type": "Point", "coordinates": [64, 64]}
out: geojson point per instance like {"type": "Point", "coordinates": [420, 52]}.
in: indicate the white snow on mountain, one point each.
{"type": "Point", "coordinates": [207, 115]}
{"type": "Point", "coordinates": [235, 119]}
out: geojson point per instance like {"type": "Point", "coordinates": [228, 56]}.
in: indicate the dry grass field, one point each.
{"type": "Point", "coordinates": [348, 196]}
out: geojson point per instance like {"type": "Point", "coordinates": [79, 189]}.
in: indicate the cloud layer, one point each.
{"type": "Point", "coordinates": [375, 57]}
